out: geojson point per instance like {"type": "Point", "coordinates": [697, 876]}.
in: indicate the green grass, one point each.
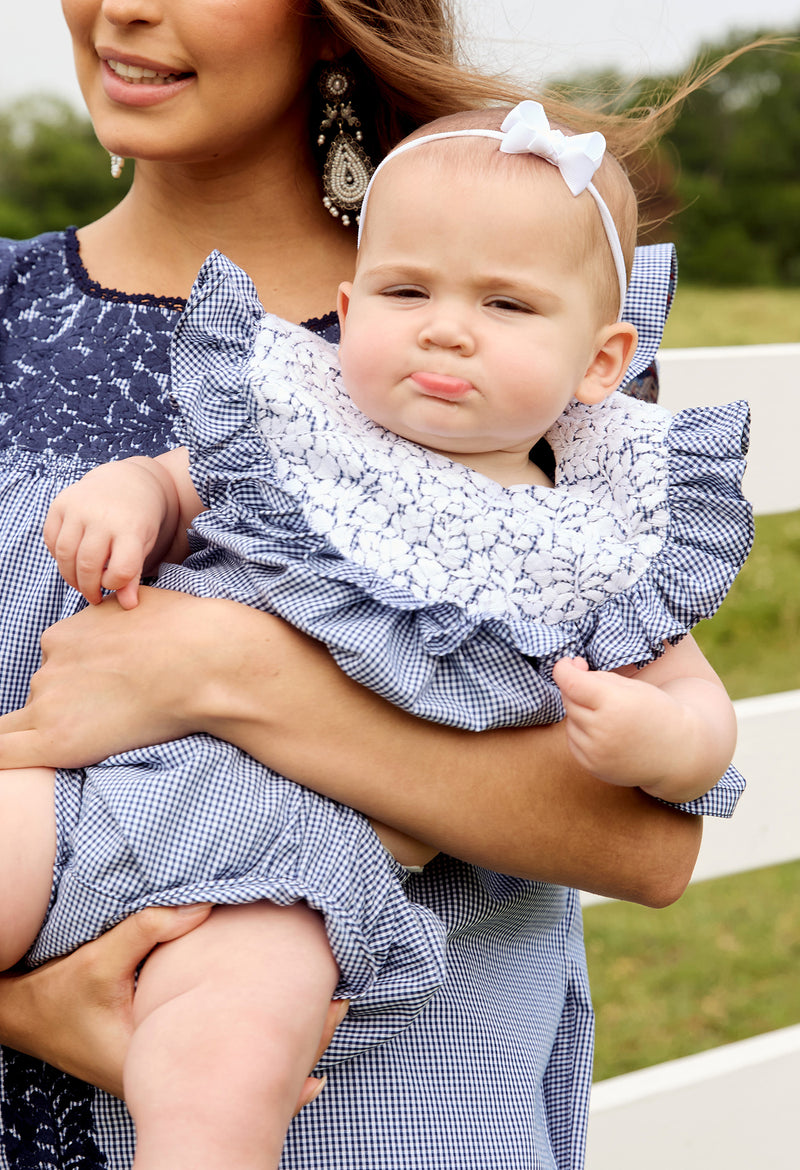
{"type": "Point", "coordinates": [719, 966]}
{"type": "Point", "coordinates": [723, 963]}
{"type": "Point", "coordinates": [733, 316]}
{"type": "Point", "coordinates": [753, 642]}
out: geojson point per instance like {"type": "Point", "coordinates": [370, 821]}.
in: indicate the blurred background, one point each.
{"type": "Point", "coordinates": [723, 963]}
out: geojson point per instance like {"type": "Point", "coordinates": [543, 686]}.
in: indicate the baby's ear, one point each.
{"type": "Point", "coordinates": [616, 347]}
{"type": "Point", "coordinates": [343, 303]}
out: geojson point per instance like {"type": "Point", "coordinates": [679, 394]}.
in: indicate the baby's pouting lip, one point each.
{"type": "Point", "coordinates": [442, 385]}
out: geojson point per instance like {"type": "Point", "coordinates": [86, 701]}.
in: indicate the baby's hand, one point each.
{"type": "Point", "coordinates": [622, 730]}
{"type": "Point", "coordinates": [102, 529]}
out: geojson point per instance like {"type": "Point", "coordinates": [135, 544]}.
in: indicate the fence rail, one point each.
{"type": "Point", "coordinates": [734, 1106]}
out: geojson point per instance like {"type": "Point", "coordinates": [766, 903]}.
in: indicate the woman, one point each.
{"type": "Point", "coordinates": [215, 101]}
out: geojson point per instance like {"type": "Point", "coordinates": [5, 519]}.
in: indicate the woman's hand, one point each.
{"type": "Point", "coordinates": [112, 680]}
{"type": "Point", "coordinates": [77, 1012]}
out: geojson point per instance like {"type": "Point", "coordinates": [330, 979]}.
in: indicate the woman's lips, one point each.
{"type": "Point", "coordinates": [141, 85]}
{"type": "Point", "coordinates": [442, 385]}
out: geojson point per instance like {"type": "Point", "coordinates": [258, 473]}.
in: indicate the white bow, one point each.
{"type": "Point", "coordinates": [577, 156]}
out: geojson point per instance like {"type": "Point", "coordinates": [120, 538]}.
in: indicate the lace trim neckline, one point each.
{"type": "Point", "coordinates": [93, 288]}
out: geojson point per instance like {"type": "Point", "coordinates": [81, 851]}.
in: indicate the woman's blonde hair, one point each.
{"type": "Point", "coordinates": [405, 52]}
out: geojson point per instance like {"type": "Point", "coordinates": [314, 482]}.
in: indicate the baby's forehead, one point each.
{"type": "Point", "coordinates": [471, 161]}
{"type": "Point", "coordinates": [463, 177]}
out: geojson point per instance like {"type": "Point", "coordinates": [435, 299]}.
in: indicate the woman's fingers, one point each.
{"type": "Point", "coordinates": [108, 682]}
{"type": "Point", "coordinates": [21, 746]}
{"type": "Point", "coordinates": [130, 942]}
{"type": "Point", "coordinates": [75, 1012]}
{"type": "Point", "coordinates": [314, 1085]}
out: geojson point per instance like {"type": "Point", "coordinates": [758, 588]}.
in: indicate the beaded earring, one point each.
{"type": "Point", "coordinates": [117, 163]}
{"type": "Point", "coordinates": [347, 168]}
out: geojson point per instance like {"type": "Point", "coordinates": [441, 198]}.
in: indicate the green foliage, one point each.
{"type": "Point", "coordinates": [53, 172]}
{"type": "Point", "coordinates": [724, 184]}
{"type": "Point", "coordinates": [735, 148]}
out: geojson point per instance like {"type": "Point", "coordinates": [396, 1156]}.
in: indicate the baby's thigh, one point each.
{"type": "Point", "coordinates": [27, 853]}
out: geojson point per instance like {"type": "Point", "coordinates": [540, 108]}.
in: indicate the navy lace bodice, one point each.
{"type": "Point", "coordinates": [84, 378]}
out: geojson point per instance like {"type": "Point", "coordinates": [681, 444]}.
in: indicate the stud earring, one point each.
{"type": "Point", "coordinates": [117, 163]}
{"type": "Point", "coordinates": [347, 168]}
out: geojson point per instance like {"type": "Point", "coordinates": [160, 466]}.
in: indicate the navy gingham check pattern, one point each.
{"type": "Point", "coordinates": [495, 1071]}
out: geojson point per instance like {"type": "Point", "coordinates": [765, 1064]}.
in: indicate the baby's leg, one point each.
{"type": "Point", "coordinates": [227, 1023]}
{"type": "Point", "coordinates": [27, 852]}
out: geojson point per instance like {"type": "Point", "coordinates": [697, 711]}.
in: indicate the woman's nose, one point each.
{"type": "Point", "coordinates": [126, 12]}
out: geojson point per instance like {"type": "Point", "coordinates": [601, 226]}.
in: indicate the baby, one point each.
{"type": "Point", "coordinates": [392, 511]}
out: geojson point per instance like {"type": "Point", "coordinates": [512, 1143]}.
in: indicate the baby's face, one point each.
{"type": "Point", "coordinates": [471, 321]}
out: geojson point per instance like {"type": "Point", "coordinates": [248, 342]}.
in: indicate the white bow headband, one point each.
{"type": "Point", "coordinates": [526, 130]}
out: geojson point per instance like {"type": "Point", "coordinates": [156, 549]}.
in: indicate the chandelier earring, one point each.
{"type": "Point", "coordinates": [347, 168]}
{"type": "Point", "coordinates": [117, 163]}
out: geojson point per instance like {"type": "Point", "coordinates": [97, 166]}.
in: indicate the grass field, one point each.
{"type": "Point", "coordinates": [753, 642]}
{"type": "Point", "coordinates": [723, 963]}
{"type": "Point", "coordinates": [723, 316]}
{"type": "Point", "coordinates": [720, 965]}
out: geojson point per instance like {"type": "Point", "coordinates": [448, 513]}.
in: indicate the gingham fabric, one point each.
{"type": "Point", "coordinates": [495, 1070]}
{"type": "Point", "coordinates": [199, 821]}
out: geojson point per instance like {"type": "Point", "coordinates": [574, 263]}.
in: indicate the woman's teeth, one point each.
{"type": "Point", "coordinates": [137, 74]}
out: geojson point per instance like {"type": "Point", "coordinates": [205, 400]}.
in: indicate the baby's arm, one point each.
{"type": "Point", "coordinates": [120, 520]}
{"type": "Point", "coordinates": [674, 736]}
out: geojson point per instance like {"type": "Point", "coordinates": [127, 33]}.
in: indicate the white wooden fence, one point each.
{"type": "Point", "coordinates": [734, 1107]}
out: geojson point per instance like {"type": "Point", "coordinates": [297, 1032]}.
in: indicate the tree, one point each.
{"type": "Point", "coordinates": [724, 183]}
{"type": "Point", "coordinates": [735, 148]}
{"type": "Point", "coordinates": [53, 172]}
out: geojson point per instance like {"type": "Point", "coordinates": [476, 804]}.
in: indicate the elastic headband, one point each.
{"type": "Point", "coordinates": [526, 130]}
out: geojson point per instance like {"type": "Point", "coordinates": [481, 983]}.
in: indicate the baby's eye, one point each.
{"type": "Point", "coordinates": [405, 292]}
{"type": "Point", "coordinates": [509, 305]}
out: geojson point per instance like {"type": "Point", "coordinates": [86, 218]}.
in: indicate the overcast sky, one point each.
{"type": "Point", "coordinates": [537, 39]}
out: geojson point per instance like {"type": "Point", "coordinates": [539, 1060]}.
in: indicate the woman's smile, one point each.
{"type": "Point", "coordinates": [238, 74]}
{"type": "Point", "coordinates": [140, 74]}
{"type": "Point", "coordinates": [133, 84]}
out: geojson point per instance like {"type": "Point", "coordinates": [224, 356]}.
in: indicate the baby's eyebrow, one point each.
{"type": "Point", "coordinates": [398, 270]}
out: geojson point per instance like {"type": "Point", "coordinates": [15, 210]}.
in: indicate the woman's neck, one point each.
{"type": "Point", "coordinates": [271, 224]}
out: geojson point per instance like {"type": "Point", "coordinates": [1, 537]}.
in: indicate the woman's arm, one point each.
{"type": "Point", "coordinates": [512, 800]}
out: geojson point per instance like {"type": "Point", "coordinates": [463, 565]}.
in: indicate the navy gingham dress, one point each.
{"type": "Point", "coordinates": [494, 1068]}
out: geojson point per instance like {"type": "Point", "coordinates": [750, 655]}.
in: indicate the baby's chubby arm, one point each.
{"type": "Point", "coordinates": [121, 520]}
{"type": "Point", "coordinates": [668, 728]}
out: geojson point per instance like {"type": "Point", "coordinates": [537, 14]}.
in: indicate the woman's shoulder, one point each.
{"type": "Point", "coordinates": [49, 266]}
{"type": "Point", "coordinates": [39, 256]}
